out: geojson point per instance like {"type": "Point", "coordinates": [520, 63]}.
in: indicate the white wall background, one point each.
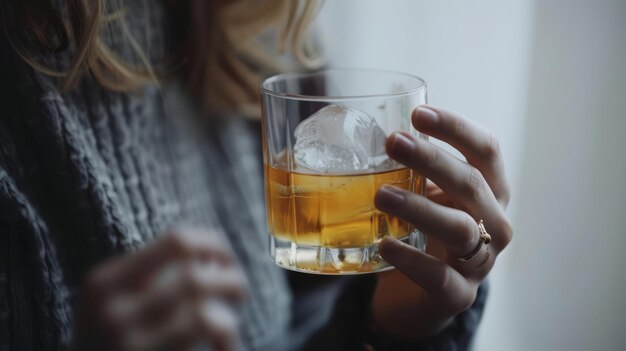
{"type": "Point", "coordinates": [549, 78]}
{"type": "Point", "coordinates": [569, 271]}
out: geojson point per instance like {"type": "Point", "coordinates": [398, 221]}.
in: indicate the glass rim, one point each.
{"type": "Point", "coordinates": [421, 86]}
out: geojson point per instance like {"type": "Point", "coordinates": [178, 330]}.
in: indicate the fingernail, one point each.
{"type": "Point", "coordinates": [425, 117]}
{"type": "Point", "coordinates": [389, 197]}
{"type": "Point", "coordinates": [402, 144]}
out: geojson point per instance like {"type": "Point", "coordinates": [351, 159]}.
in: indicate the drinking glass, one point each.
{"type": "Point", "coordinates": [324, 159]}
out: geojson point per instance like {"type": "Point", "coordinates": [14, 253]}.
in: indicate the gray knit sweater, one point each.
{"type": "Point", "coordinates": [91, 174]}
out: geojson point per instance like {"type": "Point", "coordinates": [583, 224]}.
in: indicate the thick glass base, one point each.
{"type": "Point", "coordinates": [335, 261]}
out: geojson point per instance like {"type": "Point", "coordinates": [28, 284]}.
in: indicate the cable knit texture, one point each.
{"type": "Point", "coordinates": [92, 174]}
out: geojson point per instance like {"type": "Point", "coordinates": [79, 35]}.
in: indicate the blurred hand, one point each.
{"type": "Point", "coordinates": [462, 193]}
{"type": "Point", "coordinates": [173, 294]}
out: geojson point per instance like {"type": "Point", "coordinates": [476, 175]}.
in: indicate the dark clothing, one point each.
{"type": "Point", "coordinates": [91, 174]}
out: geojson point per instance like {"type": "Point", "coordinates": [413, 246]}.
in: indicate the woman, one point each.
{"type": "Point", "coordinates": [131, 220]}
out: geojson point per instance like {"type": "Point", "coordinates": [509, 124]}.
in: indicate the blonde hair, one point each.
{"type": "Point", "coordinates": [222, 56]}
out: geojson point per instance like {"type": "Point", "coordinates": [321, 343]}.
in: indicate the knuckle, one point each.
{"type": "Point", "coordinates": [460, 300]}
{"type": "Point", "coordinates": [505, 197]}
{"type": "Point", "coordinates": [220, 330]}
{"type": "Point", "coordinates": [472, 185]}
{"type": "Point", "coordinates": [466, 301]}
{"type": "Point", "coordinates": [506, 233]}
{"type": "Point", "coordinates": [442, 280]}
{"type": "Point", "coordinates": [483, 271]}
{"type": "Point", "coordinates": [232, 285]}
{"type": "Point", "coordinates": [460, 125]}
{"type": "Point", "coordinates": [492, 149]}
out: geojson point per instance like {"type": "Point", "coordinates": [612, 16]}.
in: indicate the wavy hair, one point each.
{"type": "Point", "coordinates": [220, 53]}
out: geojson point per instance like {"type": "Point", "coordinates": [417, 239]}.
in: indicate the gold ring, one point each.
{"type": "Point", "coordinates": [484, 238]}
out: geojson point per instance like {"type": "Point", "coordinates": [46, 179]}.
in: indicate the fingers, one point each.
{"type": "Point", "coordinates": [136, 269]}
{"type": "Point", "coordinates": [454, 228]}
{"type": "Point", "coordinates": [480, 148]}
{"type": "Point", "coordinates": [219, 324]}
{"type": "Point", "coordinates": [464, 183]}
{"type": "Point", "coordinates": [197, 282]}
{"type": "Point", "coordinates": [228, 283]}
{"type": "Point", "coordinates": [170, 334]}
{"type": "Point", "coordinates": [443, 284]}
{"type": "Point", "coordinates": [194, 309]}
{"type": "Point", "coordinates": [209, 322]}
{"type": "Point", "coordinates": [177, 275]}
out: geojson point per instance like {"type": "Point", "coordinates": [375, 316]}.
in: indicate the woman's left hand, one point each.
{"type": "Point", "coordinates": [463, 194]}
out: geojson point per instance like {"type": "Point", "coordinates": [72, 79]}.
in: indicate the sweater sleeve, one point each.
{"type": "Point", "coordinates": [458, 336]}
{"type": "Point", "coordinates": [34, 312]}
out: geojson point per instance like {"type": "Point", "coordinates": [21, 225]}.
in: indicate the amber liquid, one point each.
{"type": "Point", "coordinates": [335, 211]}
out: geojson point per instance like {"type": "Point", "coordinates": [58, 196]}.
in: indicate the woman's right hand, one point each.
{"type": "Point", "coordinates": [175, 293]}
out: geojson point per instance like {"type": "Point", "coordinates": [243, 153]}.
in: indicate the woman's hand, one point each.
{"type": "Point", "coordinates": [463, 194]}
{"type": "Point", "coordinates": [176, 293]}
